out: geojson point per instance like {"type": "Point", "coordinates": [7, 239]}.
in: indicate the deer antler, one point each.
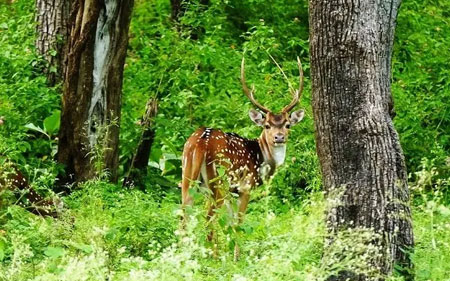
{"type": "Point", "coordinates": [282, 72]}
{"type": "Point", "coordinates": [298, 93]}
{"type": "Point", "coordinates": [249, 92]}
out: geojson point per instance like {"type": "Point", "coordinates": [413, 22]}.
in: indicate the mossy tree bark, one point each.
{"type": "Point", "coordinates": [52, 30]}
{"type": "Point", "coordinates": [92, 89]}
{"type": "Point", "coordinates": [362, 163]}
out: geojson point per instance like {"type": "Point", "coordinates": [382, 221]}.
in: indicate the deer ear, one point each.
{"type": "Point", "coordinates": [257, 117]}
{"type": "Point", "coordinates": [297, 116]}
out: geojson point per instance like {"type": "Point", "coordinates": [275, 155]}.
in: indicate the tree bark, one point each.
{"type": "Point", "coordinates": [89, 131]}
{"type": "Point", "coordinates": [362, 163]}
{"type": "Point", "coordinates": [52, 32]}
{"type": "Point", "coordinates": [139, 163]}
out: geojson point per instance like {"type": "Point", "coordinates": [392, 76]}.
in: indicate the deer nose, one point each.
{"type": "Point", "coordinates": [279, 138]}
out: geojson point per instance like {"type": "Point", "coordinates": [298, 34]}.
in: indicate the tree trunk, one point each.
{"type": "Point", "coordinates": [52, 32]}
{"type": "Point", "coordinates": [177, 10]}
{"type": "Point", "coordinates": [89, 131]}
{"type": "Point", "coordinates": [362, 163]}
{"type": "Point", "coordinates": [139, 163]}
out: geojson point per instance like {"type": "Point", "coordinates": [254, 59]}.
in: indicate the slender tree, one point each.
{"type": "Point", "coordinates": [362, 163]}
{"type": "Point", "coordinates": [139, 163]}
{"type": "Point", "coordinates": [178, 9]}
{"type": "Point", "coordinates": [52, 32]}
{"type": "Point", "coordinates": [92, 88]}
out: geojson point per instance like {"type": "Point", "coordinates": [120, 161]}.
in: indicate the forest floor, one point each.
{"type": "Point", "coordinates": [107, 233]}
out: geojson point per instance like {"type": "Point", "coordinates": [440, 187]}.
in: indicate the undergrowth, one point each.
{"type": "Point", "coordinates": [108, 233]}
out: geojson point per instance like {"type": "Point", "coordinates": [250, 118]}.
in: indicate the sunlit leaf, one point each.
{"type": "Point", "coordinates": [51, 123]}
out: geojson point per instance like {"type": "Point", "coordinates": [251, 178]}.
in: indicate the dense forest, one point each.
{"type": "Point", "coordinates": [114, 212]}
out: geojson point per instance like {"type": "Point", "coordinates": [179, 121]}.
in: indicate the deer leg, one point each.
{"type": "Point", "coordinates": [217, 197]}
{"type": "Point", "coordinates": [191, 172]}
{"type": "Point", "coordinates": [185, 182]}
{"type": "Point", "coordinates": [215, 201]}
{"type": "Point", "coordinates": [244, 197]}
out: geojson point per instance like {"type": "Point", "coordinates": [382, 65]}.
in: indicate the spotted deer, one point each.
{"type": "Point", "coordinates": [248, 162]}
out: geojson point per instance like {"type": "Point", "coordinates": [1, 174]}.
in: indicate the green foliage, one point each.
{"type": "Point", "coordinates": [24, 95]}
{"type": "Point", "coordinates": [421, 87]}
{"type": "Point", "coordinates": [106, 232]}
{"type": "Point", "coordinates": [197, 80]}
{"type": "Point", "coordinates": [109, 232]}
{"type": "Point", "coordinates": [361, 247]}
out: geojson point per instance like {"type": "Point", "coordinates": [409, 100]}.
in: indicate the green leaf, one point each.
{"type": "Point", "coordinates": [162, 181]}
{"type": "Point", "coordinates": [51, 123]}
{"type": "Point", "coordinates": [221, 171]}
{"type": "Point", "coordinates": [35, 128]}
{"type": "Point", "coordinates": [83, 247]}
{"type": "Point", "coordinates": [153, 164]}
{"type": "Point", "coordinates": [156, 155]}
{"type": "Point", "coordinates": [2, 248]}
{"type": "Point", "coordinates": [111, 234]}
{"type": "Point", "coordinates": [54, 252]}
{"type": "Point", "coordinates": [222, 221]}
{"type": "Point", "coordinates": [231, 245]}
{"type": "Point", "coordinates": [246, 228]}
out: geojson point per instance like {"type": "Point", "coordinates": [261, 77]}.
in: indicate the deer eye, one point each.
{"type": "Point", "coordinates": [288, 126]}
{"type": "Point", "coordinates": [267, 126]}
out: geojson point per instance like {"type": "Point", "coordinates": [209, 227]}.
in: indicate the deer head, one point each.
{"type": "Point", "coordinates": [276, 126]}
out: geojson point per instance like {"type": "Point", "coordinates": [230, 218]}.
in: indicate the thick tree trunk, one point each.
{"type": "Point", "coordinates": [52, 32]}
{"type": "Point", "coordinates": [139, 162]}
{"type": "Point", "coordinates": [89, 131]}
{"type": "Point", "coordinates": [364, 174]}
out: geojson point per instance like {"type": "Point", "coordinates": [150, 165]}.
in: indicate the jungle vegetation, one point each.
{"type": "Point", "coordinates": [188, 64]}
